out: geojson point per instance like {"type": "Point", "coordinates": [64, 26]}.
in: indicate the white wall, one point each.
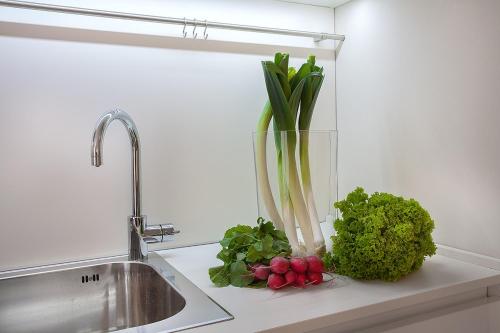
{"type": "Point", "coordinates": [418, 90]}
{"type": "Point", "coordinates": [195, 104]}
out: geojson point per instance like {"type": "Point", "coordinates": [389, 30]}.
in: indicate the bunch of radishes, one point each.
{"type": "Point", "coordinates": [297, 272]}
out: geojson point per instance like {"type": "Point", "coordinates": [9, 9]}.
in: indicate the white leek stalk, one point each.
{"type": "Point", "coordinates": [286, 201]}
{"type": "Point", "coordinates": [261, 167]}
{"type": "Point", "coordinates": [319, 240]}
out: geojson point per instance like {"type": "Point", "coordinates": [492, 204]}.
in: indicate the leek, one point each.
{"type": "Point", "coordinates": [281, 60]}
{"type": "Point", "coordinates": [309, 96]}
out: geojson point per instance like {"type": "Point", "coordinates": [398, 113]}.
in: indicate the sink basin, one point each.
{"type": "Point", "coordinates": [103, 296]}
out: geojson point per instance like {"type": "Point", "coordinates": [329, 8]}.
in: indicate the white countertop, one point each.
{"type": "Point", "coordinates": [296, 310]}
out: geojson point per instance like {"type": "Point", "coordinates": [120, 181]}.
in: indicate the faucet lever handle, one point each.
{"type": "Point", "coordinates": [158, 233]}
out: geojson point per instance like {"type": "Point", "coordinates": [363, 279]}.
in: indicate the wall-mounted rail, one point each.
{"type": "Point", "coordinates": [317, 36]}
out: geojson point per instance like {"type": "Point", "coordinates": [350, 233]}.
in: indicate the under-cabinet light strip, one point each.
{"type": "Point", "coordinates": [317, 36]}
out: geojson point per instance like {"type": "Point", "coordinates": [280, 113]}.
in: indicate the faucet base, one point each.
{"type": "Point", "coordinates": [138, 249]}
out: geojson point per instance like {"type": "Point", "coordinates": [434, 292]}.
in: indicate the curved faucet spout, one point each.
{"type": "Point", "coordinates": [97, 144]}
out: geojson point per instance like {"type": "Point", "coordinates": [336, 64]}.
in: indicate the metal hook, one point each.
{"type": "Point", "coordinates": [184, 32]}
{"type": "Point", "coordinates": [205, 35]}
{"type": "Point", "coordinates": [194, 29]}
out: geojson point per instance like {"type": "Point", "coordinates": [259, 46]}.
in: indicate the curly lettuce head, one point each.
{"type": "Point", "coordinates": [381, 236]}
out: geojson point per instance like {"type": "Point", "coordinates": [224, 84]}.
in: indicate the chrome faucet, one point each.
{"type": "Point", "coordinates": [140, 235]}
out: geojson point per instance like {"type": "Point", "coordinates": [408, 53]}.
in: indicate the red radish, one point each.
{"type": "Point", "coordinates": [298, 265]}
{"type": "Point", "coordinates": [276, 281]}
{"type": "Point", "coordinates": [290, 277]}
{"type": "Point", "coordinates": [315, 277]}
{"type": "Point", "coordinates": [261, 272]}
{"type": "Point", "coordinates": [279, 265]}
{"type": "Point", "coordinates": [315, 264]}
{"type": "Point", "coordinates": [300, 281]}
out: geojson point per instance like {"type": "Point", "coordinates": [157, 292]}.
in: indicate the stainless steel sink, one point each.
{"type": "Point", "coordinates": [103, 295]}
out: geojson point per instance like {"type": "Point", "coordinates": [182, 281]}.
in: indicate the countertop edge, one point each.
{"type": "Point", "coordinates": [485, 278]}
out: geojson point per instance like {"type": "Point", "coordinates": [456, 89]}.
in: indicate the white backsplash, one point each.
{"type": "Point", "coordinates": [195, 105]}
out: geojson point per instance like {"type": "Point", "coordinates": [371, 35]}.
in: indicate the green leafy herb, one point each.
{"type": "Point", "coordinates": [240, 275]}
{"type": "Point", "coordinates": [380, 237]}
{"type": "Point", "coordinates": [243, 245]}
{"type": "Point", "coordinates": [219, 276]}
